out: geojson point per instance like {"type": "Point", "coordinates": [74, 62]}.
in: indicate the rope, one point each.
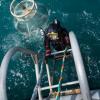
{"type": "Point", "coordinates": [60, 80]}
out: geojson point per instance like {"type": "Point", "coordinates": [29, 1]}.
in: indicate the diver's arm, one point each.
{"type": "Point", "coordinates": [65, 32]}
{"type": "Point", "coordinates": [47, 46]}
{"type": "Point", "coordinates": [66, 36]}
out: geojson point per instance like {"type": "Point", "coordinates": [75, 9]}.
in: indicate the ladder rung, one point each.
{"type": "Point", "coordinates": [55, 53]}
{"type": "Point", "coordinates": [61, 56]}
{"type": "Point", "coordinates": [67, 92]}
{"type": "Point", "coordinates": [64, 84]}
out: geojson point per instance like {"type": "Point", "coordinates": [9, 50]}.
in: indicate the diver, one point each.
{"type": "Point", "coordinates": [56, 37]}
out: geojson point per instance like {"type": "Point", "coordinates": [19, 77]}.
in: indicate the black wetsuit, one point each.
{"type": "Point", "coordinates": [60, 43]}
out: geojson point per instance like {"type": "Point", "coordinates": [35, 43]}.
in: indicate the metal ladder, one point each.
{"type": "Point", "coordinates": [84, 87]}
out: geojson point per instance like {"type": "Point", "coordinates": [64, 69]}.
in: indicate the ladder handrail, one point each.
{"type": "Point", "coordinates": [84, 86]}
{"type": "Point", "coordinates": [4, 67]}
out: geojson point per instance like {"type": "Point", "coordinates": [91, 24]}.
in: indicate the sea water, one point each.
{"type": "Point", "coordinates": [80, 16]}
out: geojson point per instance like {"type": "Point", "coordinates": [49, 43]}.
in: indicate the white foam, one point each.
{"type": "Point", "coordinates": [11, 40]}
{"type": "Point", "coordinates": [1, 2]}
{"type": "Point", "coordinates": [85, 13]}
{"type": "Point", "coordinates": [65, 14]}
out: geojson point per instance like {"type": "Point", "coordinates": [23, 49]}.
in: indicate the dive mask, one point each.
{"type": "Point", "coordinates": [53, 35]}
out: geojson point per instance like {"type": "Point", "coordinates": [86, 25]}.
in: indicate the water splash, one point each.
{"type": "Point", "coordinates": [11, 40]}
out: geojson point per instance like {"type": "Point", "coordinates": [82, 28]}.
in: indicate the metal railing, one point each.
{"type": "Point", "coordinates": [80, 69]}
{"type": "Point", "coordinates": [4, 67]}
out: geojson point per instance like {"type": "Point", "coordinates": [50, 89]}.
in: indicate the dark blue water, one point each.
{"type": "Point", "coordinates": [82, 17]}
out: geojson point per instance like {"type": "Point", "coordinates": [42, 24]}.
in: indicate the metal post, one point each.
{"type": "Point", "coordinates": [49, 79]}
{"type": "Point", "coordinates": [37, 76]}
{"type": "Point", "coordinates": [80, 67]}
